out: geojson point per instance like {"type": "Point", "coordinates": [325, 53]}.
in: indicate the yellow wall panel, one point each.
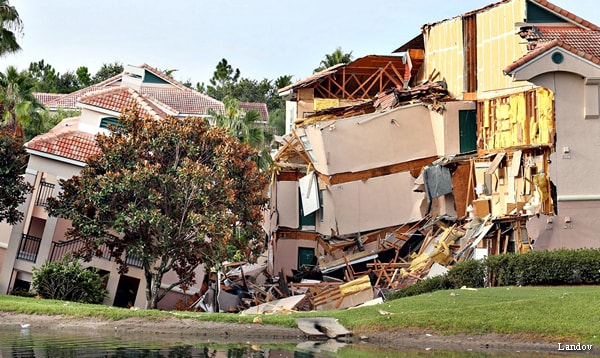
{"type": "Point", "coordinates": [500, 45]}
{"type": "Point", "coordinates": [444, 53]}
{"type": "Point", "coordinates": [505, 123]}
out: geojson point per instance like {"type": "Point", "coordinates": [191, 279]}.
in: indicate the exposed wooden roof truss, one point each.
{"type": "Point", "coordinates": [362, 79]}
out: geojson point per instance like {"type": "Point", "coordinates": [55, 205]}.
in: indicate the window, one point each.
{"type": "Point", "coordinates": [106, 121]}
{"type": "Point", "coordinates": [308, 148]}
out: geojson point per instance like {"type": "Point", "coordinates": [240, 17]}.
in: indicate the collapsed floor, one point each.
{"type": "Point", "coordinates": [399, 257]}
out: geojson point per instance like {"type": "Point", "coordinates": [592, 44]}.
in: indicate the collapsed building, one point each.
{"type": "Point", "coordinates": [449, 155]}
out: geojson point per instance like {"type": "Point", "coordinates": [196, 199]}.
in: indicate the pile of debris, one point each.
{"type": "Point", "coordinates": [404, 255]}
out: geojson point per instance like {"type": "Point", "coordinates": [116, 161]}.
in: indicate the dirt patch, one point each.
{"type": "Point", "coordinates": [260, 333]}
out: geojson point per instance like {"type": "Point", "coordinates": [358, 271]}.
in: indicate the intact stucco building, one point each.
{"type": "Point", "coordinates": [61, 153]}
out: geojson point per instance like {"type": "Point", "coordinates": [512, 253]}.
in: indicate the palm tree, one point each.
{"type": "Point", "coordinates": [336, 57]}
{"type": "Point", "coordinates": [18, 105]}
{"type": "Point", "coordinates": [10, 25]}
{"type": "Point", "coordinates": [245, 126]}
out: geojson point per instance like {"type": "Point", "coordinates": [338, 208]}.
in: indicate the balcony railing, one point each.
{"type": "Point", "coordinates": [71, 247]}
{"type": "Point", "coordinates": [44, 192]}
{"type": "Point", "coordinates": [29, 248]}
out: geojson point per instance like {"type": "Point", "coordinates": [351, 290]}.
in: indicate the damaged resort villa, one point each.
{"type": "Point", "coordinates": [475, 138]}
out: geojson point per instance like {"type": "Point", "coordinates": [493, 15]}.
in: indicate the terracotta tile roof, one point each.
{"type": "Point", "coordinates": [546, 47]}
{"type": "Point", "coordinates": [583, 40]}
{"type": "Point", "coordinates": [260, 107]}
{"type": "Point", "coordinates": [45, 98]}
{"type": "Point", "coordinates": [564, 13]}
{"type": "Point", "coordinates": [65, 140]}
{"type": "Point", "coordinates": [185, 101]}
{"type": "Point", "coordinates": [69, 100]}
{"type": "Point", "coordinates": [161, 75]}
{"type": "Point", "coordinates": [543, 3]}
{"type": "Point", "coordinates": [118, 98]}
{"type": "Point", "coordinates": [191, 104]}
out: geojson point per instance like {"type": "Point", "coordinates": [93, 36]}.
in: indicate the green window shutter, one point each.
{"type": "Point", "coordinates": [106, 121]}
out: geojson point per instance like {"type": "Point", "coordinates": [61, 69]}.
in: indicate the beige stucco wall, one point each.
{"type": "Point", "coordinates": [287, 254]}
{"type": "Point", "coordinates": [90, 120]}
{"type": "Point", "coordinates": [372, 141]}
{"type": "Point", "coordinates": [575, 172]}
{"type": "Point", "coordinates": [580, 232]}
{"type": "Point", "coordinates": [446, 128]}
{"type": "Point", "coordinates": [361, 206]}
{"type": "Point", "coordinates": [61, 170]}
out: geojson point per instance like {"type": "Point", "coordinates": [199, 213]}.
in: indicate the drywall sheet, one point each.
{"type": "Point", "coordinates": [372, 141]}
{"type": "Point", "coordinates": [376, 203]}
{"type": "Point", "coordinates": [309, 193]}
{"type": "Point", "coordinates": [287, 204]}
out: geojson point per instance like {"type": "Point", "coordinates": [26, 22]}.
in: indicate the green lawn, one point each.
{"type": "Point", "coordinates": [561, 312]}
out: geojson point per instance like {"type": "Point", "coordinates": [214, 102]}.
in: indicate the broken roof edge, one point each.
{"type": "Point", "coordinates": [549, 46]}
{"type": "Point", "coordinates": [556, 10]}
{"type": "Point", "coordinates": [417, 42]}
{"type": "Point", "coordinates": [309, 80]}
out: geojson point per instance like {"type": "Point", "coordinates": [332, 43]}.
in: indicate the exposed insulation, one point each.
{"type": "Point", "coordinates": [520, 119]}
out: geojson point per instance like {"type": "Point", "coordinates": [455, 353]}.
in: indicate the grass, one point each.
{"type": "Point", "coordinates": [560, 312]}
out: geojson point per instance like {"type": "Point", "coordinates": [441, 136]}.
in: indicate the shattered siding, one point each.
{"type": "Point", "coordinates": [520, 119]}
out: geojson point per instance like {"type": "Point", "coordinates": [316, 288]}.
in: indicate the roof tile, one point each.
{"type": "Point", "coordinates": [65, 140]}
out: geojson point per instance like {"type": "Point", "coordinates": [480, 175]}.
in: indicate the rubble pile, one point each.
{"type": "Point", "coordinates": [396, 258]}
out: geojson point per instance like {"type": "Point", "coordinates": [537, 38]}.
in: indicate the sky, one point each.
{"type": "Point", "coordinates": [263, 38]}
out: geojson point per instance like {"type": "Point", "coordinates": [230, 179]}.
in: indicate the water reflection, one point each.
{"type": "Point", "coordinates": [38, 343]}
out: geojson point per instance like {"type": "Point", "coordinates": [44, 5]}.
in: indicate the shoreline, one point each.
{"type": "Point", "coordinates": [194, 330]}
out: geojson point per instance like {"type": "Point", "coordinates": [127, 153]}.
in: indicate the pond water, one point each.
{"type": "Point", "coordinates": [22, 343]}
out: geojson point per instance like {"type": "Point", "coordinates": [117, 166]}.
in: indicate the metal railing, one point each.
{"type": "Point", "coordinates": [44, 192]}
{"type": "Point", "coordinates": [71, 247]}
{"type": "Point", "coordinates": [29, 248]}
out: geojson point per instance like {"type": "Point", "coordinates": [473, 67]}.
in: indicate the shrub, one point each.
{"type": "Point", "coordinates": [558, 267]}
{"type": "Point", "coordinates": [552, 268]}
{"type": "Point", "coordinates": [67, 280]}
{"type": "Point", "coordinates": [424, 286]}
{"type": "Point", "coordinates": [470, 273]}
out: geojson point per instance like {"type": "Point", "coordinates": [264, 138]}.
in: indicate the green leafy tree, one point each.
{"type": "Point", "coordinates": [283, 81]}
{"type": "Point", "coordinates": [334, 58]}
{"type": "Point", "coordinates": [18, 104]}
{"type": "Point", "coordinates": [246, 127]}
{"type": "Point", "coordinates": [67, 280]}
{"type": "Point", "coordinates": [49, 119]}
{"type": "Point", "coordinates": [277, 121]}
{"type": "Point", "coordinates": [68, 83]}
{"type": "Point", "coordinates": [107, 70]}
{"type": "Point", "coordinates": [223, 81]}
{"type": "Point", "coordinates": [45, 77]}
{"type": "Point", "coordinates": [83, 76]}
{"type": "Point", "coordinates": [176, 193]}
{"type": "Point", "coordinates": [10, 26]}
{"type": "Point", "coordinates": [13, 187]}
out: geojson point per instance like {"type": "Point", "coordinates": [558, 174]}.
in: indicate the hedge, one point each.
{"type": "Point", "coordinates": [535, 268]}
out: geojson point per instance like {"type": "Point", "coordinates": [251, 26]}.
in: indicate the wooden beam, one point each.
{"type": "Point", "coordinates": [376, 172]}
{"type": "Point", "coordinates": [297, 235]}
{"type": "Point", "coordinates": [287, 176]}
